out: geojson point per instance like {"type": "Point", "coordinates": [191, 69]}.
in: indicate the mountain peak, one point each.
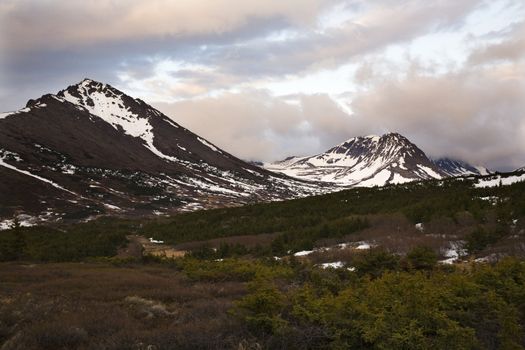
{"type": "Point", "coordinates": [92, 82]}
{"type": "Point", "coordinates": [88, 80]}
{"type": "Point", "coordinates": [394, 135]}
{"type": "Point", "coordinates": [377, 138]}
{"type": "Point", "coordinates": [364, 161]}
{"type": "Point", "coordinates": [82, 92]}
{"type": "Point", "coordinates": [91, 149]}
{"type": "Point", "coordinates": [372, 137]}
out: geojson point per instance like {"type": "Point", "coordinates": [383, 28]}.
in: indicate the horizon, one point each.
{"type": "Point", "coordinates": [267, 81]}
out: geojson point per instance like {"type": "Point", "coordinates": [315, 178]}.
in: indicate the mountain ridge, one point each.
{"type": "Point", "coordinates": [92, 150]}
{"type": "Point", "coordinates": [372, 160]}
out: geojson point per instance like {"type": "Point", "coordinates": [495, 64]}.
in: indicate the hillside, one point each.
{"type": "Point", "coordinates": [92, 150]}
{"type": "Point", "coordinates": [445, 214]}
{"type": "Point", "coordinates": [437, 263]}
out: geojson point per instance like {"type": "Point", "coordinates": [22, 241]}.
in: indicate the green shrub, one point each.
{"type": "Point", "coordinates": [421, 258]}
{"type": "Point", "coordinates": [376, 261]}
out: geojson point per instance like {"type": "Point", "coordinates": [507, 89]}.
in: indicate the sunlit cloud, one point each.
{"type": "Point", "coordinates": [265, 80]}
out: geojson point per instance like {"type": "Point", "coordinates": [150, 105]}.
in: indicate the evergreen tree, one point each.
{"type": "Point", "coordinates": [19, 244]}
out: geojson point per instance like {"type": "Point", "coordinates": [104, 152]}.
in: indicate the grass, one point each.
{"type": "Point", "coordinates": [86, 306]}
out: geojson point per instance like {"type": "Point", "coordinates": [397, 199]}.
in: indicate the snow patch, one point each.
{"type": "Point", "coordinates": [363, 246]}
{"type": "Point", "coordinates": [112, 207]}
{"type": "Point", "coordinates": [332, 265]}
{"type": "Point", "coordinates": [379, 179]}
{"type": "Point", "coordinates": [209, 145]}
{"type": "Point", "coordinates": [304, 252]}
{"type": "Point", "coordinates": [429, 171]}
{"type": "Point", "coordinates": [497, 180]}
{"type": "Point", "coordinates": [455, 251]}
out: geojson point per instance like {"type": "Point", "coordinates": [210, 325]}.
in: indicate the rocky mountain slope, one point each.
{"type": "Point", "coordinates": [91, 150]}
{"type": "Point", "coordinates": [372, 160]}
{"type": "Point", "coordinates": [454, 167]}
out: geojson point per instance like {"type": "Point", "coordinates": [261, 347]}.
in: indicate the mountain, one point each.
{"type": "Point", "coordinates": [91, 149]}
{"type": "Point", "coordinates": [454, 167]}
{"type": "Point", "coordinates": [364, 161]}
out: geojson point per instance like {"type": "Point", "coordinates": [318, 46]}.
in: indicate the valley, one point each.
{"type": "Point", "coordinates": [121, 229]}
{"type": "Point", "coordinates": [262, 175]}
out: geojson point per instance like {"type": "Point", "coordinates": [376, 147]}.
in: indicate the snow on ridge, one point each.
{"type": "Point", "coordinates": [4, 115]}
{"type": "Point", "coordinates": [209, 145]}
{"type": "Point", "coordinates": [429, 171]}
{"type": "Point", "coordinates": [25, 172]}
{"type": "Point", "coordinates": [374, 138]}
{"type": "Point", "coordinates": [167, 120]}
{"type": "Point", "coordinates": [111, 109]}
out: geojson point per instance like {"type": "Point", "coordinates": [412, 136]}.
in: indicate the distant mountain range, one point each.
{"type": "Point", "coordinates": [91, 149]}
{"type": "Point", "coordinates": [373, 161]}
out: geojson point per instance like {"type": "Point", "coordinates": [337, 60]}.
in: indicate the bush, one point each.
{"type": "Point", "coordinates": [480, 238]}
{"type": "Point", "coordinates": [376, 261]}
{"type": "Point", "coordinates": [482, 309]}
{"type": "Point", "coordinates": [421, 258]}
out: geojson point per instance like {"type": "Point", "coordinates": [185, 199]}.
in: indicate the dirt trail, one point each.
{"type": "Point", "coordinates": [140, 245]}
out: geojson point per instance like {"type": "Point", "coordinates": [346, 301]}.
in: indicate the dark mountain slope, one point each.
{"type": "Point", "coordinates": [91, 150]}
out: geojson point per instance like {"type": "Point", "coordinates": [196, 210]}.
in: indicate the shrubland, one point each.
{"type": "Point", "coordinates": [66, 287]}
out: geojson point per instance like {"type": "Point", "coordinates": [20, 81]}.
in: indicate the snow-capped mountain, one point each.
{"type": "Point", "coordinates": [91, 149]}
{"type": "Point", "coordinates": [454, 167]}
{"type": "Point", "coordinates": [364, 161]}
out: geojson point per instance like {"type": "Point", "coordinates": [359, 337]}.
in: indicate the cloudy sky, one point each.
{"type": "Point", "coordinates": [273, 78]}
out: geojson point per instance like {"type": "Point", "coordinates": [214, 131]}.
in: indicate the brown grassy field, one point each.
{"type": "Point", "coordinates": [100, 306]}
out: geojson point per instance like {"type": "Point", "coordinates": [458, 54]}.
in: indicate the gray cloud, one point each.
{"type": "Point", "coordinates": [46, 45]}
{"type": "Point", "coordinates": [474, 114]}
{"type": "Point", "coordinates": [314, 49]}
{"type": "Point", "coordinates": [31, 25]}
{"type": "Point", "coordinates": [473, 111]}
{"type": "Point", "coordinates": [512, 48]}
{"type": "Point", "coordinates": [53, 43]}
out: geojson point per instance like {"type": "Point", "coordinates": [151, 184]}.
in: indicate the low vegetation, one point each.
{"type": "Point", "coordinates": [385, 302]}
{"type": "Point", "coordinates": [67, 286]}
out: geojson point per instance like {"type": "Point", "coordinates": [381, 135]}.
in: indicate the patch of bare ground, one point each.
{"type": "Point", "coordinates": [139, 245]}
{"type": "Point", "coordinates": [249, 241]}
{"type": "Point", "coordinates": [98, 306]}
